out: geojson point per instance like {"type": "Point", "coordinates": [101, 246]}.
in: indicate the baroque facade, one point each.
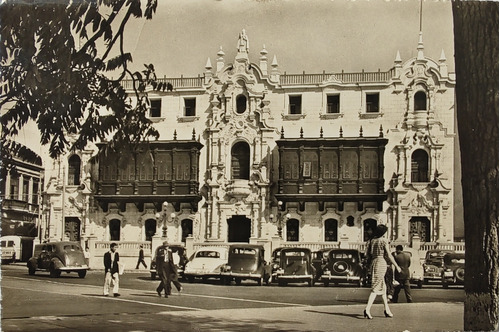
{"type": "Point", "coordinates": [248, 153]}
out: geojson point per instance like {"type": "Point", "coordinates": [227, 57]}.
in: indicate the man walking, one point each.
{"type": "Point", "coordinates": [404, 260]}
{"type": "Point", "coordinates": [111, 259]}
{"type": "Point", "coordinates": [141, 258]}
{"type": "Point", "coordinates": [165, 268]}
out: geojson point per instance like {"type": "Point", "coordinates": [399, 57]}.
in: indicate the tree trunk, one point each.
{"type": "Point", "coordinates": [476, 61]}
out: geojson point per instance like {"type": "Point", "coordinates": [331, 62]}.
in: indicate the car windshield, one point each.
{"type": "Point", "coordinates": [71, 247]}
{"type": "Point", "coordinates": [294, 253]}
{"type": "Point", "coordinates": [210, 254]}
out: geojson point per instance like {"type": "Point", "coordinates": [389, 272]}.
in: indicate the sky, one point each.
{"type": "Point", "coordinates": [305, 35]}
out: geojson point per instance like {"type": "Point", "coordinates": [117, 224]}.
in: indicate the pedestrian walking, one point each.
{"type": "Point", "coordinates": [111, 259]}
{"type": "Point", "coordinates": [403, 277]}
{"type": "Point", "coordinates": [86, 254]}
{"type": "Point", "coordinates": [376, 249]}
{"type": "Point", "coordinates": [141, 260]}
{"type": "Point", "coordinates": [177, 259]}
{"type": "Point", "coordinates": [165, 268]}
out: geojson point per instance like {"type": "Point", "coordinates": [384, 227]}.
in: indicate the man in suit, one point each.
{"type": "Point", "coordinates": [141, 258]}
{"type": "Point", "coordinates": [111, 259]}
{"type": "Point", "coordinates": [404, 260]}
{"type": "Point", "coordinates": [165, 267]}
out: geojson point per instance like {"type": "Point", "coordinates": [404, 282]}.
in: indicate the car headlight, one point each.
{"type": "Point", "coordinates": [226, 268]}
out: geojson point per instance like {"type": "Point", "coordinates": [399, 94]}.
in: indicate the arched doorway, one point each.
{"type": "Point", "coordinates": [240, 161]}
{"type": "Point", "coordinates": [150, 229]}
{"type": "Point", "coordinates": [238, 229]}
{"type": "Point", "coordinates": [187, 229]}
{"type": "Point", "coordinates": [292, 230]}
{"type": "Point", "coordinates": [331, 230]}
{"type": "Point", "coordinates": [369, 226]}
{"type": "Point", "coordinates": [420, 226]}
{"type": "Point", "coordinates": [114, 230]}
{"type": "Point", "coordinates": [72, 228]}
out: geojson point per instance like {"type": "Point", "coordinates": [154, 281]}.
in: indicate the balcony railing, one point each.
{"type": "Point", "coordinates": [363, 77]}
{"type": "Point", "coordinates": [177, 82]}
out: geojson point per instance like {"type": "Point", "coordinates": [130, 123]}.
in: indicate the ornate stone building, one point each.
{"type": "Point", "coordinates": [249, 154]}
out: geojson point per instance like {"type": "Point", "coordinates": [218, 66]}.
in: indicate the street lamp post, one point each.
{"type": "Point", "coordinates": [279, 218]}
{"type": "Point", "coordinates": [163, 217]}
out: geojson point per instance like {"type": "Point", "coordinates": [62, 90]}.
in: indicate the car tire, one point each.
{"type": "Point", "coordinates": [460, 274]}
{"type": "Point", "coordinates": [419, 284]}
{"type": "Point", "coordinates": [260, 281]}
{"type": "Point", "coordinates": [153, 275]}
{"type": "Point", "coordinates": [82, 274]}
{"type": "Point", "coordinates": [445, 285]}
{"type": "Point", "coordinates": [31, 270]}
{"type": "Point", "coordinates": [310, 282]}
{"type": "Point", "coordinates": [326, 283]}
{"type": "Point", "coordinates": [53, 272]}
{"type": "Point", "coordinates": [281, 283]}
{"type": "Point", "coordinates": [359, 284]}
{"type": "Point", "coordinates": [237, 281]}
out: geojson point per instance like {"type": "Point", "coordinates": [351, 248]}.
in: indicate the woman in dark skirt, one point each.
{"type": "Point", "coordinates": [378, 247]}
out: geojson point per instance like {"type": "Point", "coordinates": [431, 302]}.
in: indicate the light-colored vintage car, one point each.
{"type": "Point", "coordinates": [57, 257]}
{"type": "Point", "coordinates": [206, 263]}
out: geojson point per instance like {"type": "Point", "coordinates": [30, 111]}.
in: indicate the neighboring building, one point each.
{"type": "Point", "coordinates": [247, 153]}
{"type": "Point", "coordinates": [20, 190]}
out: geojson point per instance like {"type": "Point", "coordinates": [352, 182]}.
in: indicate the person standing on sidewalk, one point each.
{"type": "Point", "coordinates": [176, 257]}
{"type": "Point", "coordinates": [165, 268]}
{"type": "Point", "coordinates": [403, 277]}
{"type": "Point", "coordinates": [141, 258]}
{"type": "Point", "coordinates": [378, 247]}
{"type": "Point", "coordinates": [111, 259]}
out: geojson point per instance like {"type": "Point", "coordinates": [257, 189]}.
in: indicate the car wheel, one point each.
{"type": "Point", "coordinates": [460, 274]}
{"type": "Point", "coordinates": [82, 274]}
{"type": "Point", "coordinates": [237, 281]}
{"type": "Point", "coordinates": [445, 285]}
{"type": "Point", "coordinates": [419, 284]}
{"type": "Point", "coordinates": [310, 282]}
{"type": "Point", "coordinates": [260, 281]}
{"type": "Point", "coordinates": [31, 270]}
{"type": "Point", "coordinates": [204, 279]}
{"type": "Point", "coordinates": [153, 275]}
{"type": "Point", "coordinates": [326, 283]}
{"type": "Point", "coordinates": [359, 283]}
{"type": "Point", "coordinates": [53, 272]}
{"type": "Point", "coordinates": [281, 283]}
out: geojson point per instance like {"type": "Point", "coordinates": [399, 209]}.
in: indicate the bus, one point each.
{"type": "Point", "coordinates": [16, 248]}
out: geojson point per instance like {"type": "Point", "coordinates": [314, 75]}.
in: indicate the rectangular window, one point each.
{"type": "Point", "coordinates": [333, 104]}
{"type": "Point", "coordinates": [372, 102]}
{"type": "Point", "coordinates": [155, 111]}
{"type": "Point", "coordinates": [26, 188]}
{"type": "Point", "coordinates": [34, 198]}
{"type": "Point", "coordinates": [189, 106]}
{"type": "Point", "coordinates": [14, 187]}
{"type": "Point", "coordinates": [295, 104]}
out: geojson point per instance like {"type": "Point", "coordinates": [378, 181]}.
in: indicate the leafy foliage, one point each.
{"type": "Point", "coordinates": [55, 59]}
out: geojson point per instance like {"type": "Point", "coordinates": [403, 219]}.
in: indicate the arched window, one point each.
{"type": "Point", "coordinates": [150, 229]}
{"type": "Point", "coordinates": [369, 226]}
{"type": "Point", "coordinates": [331, 230]}
{"type": "Point", "coordinates": [420, 101]}
{"type": "Point", "coordinates": [241, 104]}
{"type": "Point", "coordinates": [419, 166]}
{"type": "Point", "coordinates": [292, 230]}
{"type": "Point", "coordinates": [114, 230]}
{"type": "Point", "coordinates": [187, 229]}
{"type": "Point", "coordinates": [240, 161]}
{"type": "Point", "coordinates": [74, 164]}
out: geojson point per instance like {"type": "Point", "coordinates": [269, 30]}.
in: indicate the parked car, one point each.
{"type": "Point", "coordinates": [275, 262]}
{"type": "Point", "coordinates": [453, 269]}
{"type": "Point", "coordinates": [205, 263]}
{"type": "Point", "coordinates": [433, 265]}
{"type": "Point", "coordinates": [175, 248]}
{"type": "Point", "coordinates": [16, 248]}
{"type": "Point", "coordinates": [343, 266]}
{"type": "Point", "coordinates": [416, 267]}
{"type": "Point", "coordinates": [295, 265]}
{"type": "Point", "coordinates": [57, 257]}
{"type": "Point", "coordinates": [319, 260]}
{"type": "Point", "coordinates": [246, 261]}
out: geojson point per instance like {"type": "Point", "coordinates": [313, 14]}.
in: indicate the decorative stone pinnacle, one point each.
{"type": "Point", "coordinates": [321, 132]}
{"type": "Point", "coordinates": [360, 131]}
{"type": "Point", "coordinates": [208, 66]}
{"type": "Point", "coordinates": [175, 134]}
{"type": "Point", "coordinates": [381, 132]}
{"type": "Point", "coordinates": [282, 133]}
{"type": "Point", "coordinates": [193, 137]}
{"type": "Point", "coordinates": [274, 64]}
{"type": "Point", "coordinates": [221, 52]}
{"type": "Point", "coordinates": [341, 132]}
{"type": "Point", "coordinates": [301, 133]}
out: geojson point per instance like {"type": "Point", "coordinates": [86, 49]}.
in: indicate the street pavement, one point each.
{"type": "Point", "coordinates": [172, 315]}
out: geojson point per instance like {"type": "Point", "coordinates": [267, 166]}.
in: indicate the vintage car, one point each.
{"type": "Point", "coordinates": [205, 263]}
{"type": "Point", "coordinates": [433, 265]}
{"type": "Point", "coordinates": [453, 269]}
{"type": "Point", "coordinates": [275, 262]}
{"type": "Point", "coordinates": [416, 268]}
{"type": "Point", "coordinates": [295, 266]}
{"type": "Point", "coordinates": [176, 248]}
{"type": "Point", "coordinates": [57, 257]}
{"type": "Point", "coordinates": [319, 260]}
{"type": "Point", "coordinates": [246, 262]}
{"type": "Point", "coordinates": [343, 266]}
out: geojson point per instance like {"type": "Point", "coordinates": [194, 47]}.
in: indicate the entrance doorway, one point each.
{"type": "Point", "coordinates": [72, 228]}
{"type": "Point", "coordinates": [238, 229]}
{"type": "Point", "coordinates": [420, 226]}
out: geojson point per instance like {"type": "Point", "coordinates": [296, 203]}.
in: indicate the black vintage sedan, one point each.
{"type": "Point", "coordinates": [453, 269]}
{"type": "Point", "coordinates": [343, 266]}
{"type": "Point", "coordinates": [57, 257]}
{"type": "Point", "coordinates": [246, 262]}
{"type": "Point", "coordinates": [433, 265]}
{"type": "Point", "coordinates": [295, 266]}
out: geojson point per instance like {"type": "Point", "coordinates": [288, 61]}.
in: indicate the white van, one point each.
{"type": "Point", "coordinates": [16, 248]}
